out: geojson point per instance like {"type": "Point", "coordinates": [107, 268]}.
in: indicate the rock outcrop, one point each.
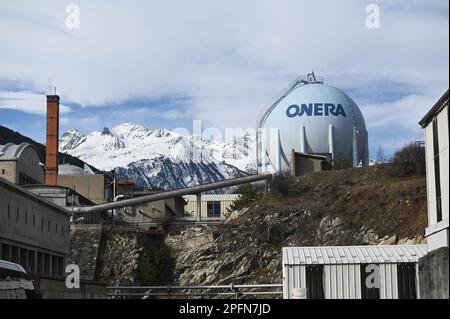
{"type": "Point", "coordinates": [353, 207]}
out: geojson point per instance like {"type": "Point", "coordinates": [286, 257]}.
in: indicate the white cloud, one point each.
{"type": "Point", "coordinates": [26, 102]}
{"type": "Point", "coordinates": [228, 58]}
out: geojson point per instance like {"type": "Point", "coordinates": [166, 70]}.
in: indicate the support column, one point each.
{"type": "Point", "coordinates": [199, 207]}
{"type": "Point", "coordinates": [331, 141]}
{"type": "Point", "coordinates": [278, 152]}
{"type": "Point", "coordinates": [302, 139]}
{"type": "Point", "coordinates": [355, 147]}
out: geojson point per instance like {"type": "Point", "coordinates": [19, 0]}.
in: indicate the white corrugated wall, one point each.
{"type": "Point", "coordinates": [342, 281]}
{"type": "Point", "coordinates": [388, 281]}
{"type": "Point", "coordinates": [293, 277]}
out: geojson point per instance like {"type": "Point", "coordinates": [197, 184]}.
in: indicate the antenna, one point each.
{"type": "Point", "coordinates": [50, 86]}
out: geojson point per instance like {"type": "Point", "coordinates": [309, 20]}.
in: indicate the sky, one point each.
{"type": "Point", "coordinates": [163, 64]}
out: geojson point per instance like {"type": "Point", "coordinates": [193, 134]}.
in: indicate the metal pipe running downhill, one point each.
{"type": "Point", "coordinates": [175, 193]}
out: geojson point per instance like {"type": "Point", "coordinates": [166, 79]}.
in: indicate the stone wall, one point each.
{"type": "Point", "coordinates": [433, 274]}
{"type": "Point", "coordinates": [85, 243]}
{"type": "Point", "coordinates": [130, 256]}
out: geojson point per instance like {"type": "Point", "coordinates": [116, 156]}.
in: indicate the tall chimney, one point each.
{"type": "Point", "coordinates": [51, 145]}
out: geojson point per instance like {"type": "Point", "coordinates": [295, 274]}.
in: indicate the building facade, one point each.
{"type": "Point", "coordinates": [156, 212]}
{"type": "Point", "coordinates": [352, 272]}
{"type": "Point", "coordinates": [33, 232]}
{"type": "Point", "coordinates": [86, 183]}
{"type": "Point", "coordinates": [436, 126]}
{"type": "Point", "coordinates": [21, 164]}
{"type": "Point", "coordinates": [213, 206]}
{"type": "Point", "coordinates": [434, 267]}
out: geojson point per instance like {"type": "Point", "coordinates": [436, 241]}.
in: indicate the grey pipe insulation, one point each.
{"type": "Point", "coordinates": [174, 193]}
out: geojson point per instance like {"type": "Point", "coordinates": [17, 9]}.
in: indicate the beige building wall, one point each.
{"type": "Point", "coordinates": [162, 211]}
{"type": "Point", "coordinates": [8, 171]}
{"type": "Point", "coordinates": [225, 202]}
{"type": "Point", "coordinates": [90, 186]}
{"type": "Point", "coordinates": [33, 232]}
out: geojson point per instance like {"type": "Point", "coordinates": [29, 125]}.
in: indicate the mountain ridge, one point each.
{"type": "Point", "coordinates": [160, 158]}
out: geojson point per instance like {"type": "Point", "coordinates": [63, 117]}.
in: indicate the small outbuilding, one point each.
{"type": "Point", "coordinates": [352, 272]}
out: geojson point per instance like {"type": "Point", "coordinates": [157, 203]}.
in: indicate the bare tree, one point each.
{"type": "Point", "coordinates": [381, 157]}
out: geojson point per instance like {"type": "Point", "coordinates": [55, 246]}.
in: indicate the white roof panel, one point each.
{"type": "Point", "coordinates": [353, 254]}
{"type": "Point", "coordinates": [212, 197]}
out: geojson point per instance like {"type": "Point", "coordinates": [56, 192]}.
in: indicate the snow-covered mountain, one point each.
{"type": "Point", "coordinates": [161, 158]}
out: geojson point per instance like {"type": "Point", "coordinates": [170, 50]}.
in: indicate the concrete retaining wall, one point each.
{"type": "Point", "coordinates": [433, 274]}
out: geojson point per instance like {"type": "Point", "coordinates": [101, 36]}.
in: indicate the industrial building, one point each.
{"type": "Point", "coordinates": [315, 119]}
{"type": "Point", "coordinates": [434, 267]}
{"type": "Point", "coordinates": [67, 198]}
{"type": "Point", "coordinates": [161, 211]}
{"type": "Point", "coordinates": [352, 272]}
{"type": "Point", "coordinates": [34, 232]}
{"type": "Point", "coordinates": [83, 181]}
{"type": "Point", "coordinates": [21, 164]}
{"type": "Point", "coordinates": [213, 206]}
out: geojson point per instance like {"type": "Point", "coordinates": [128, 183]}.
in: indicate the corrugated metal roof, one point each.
{"type": "Point", "coordinates": [11, 151]}
{"type": "Point", "coordinates": [353, 254]}
{"type": "Point", "coordinates": [212, 197]}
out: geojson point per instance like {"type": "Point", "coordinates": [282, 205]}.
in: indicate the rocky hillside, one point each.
{"type": "Point", "coordinates": [364, 206]}
{"type": "Point", "coordinates": [349, 207]}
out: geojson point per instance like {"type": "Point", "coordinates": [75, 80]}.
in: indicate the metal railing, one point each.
{"type": "Point", "coordinates": [219, 291]}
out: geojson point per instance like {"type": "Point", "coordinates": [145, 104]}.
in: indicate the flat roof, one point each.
{"type": "Point", "coordinates": [353, 254]}
{"type": "Point", "coordinates": [32, 196]}
{"type": "Point", "coordinates": [434, 110]}
{"type": "Point", "coordinates": [212, 197]}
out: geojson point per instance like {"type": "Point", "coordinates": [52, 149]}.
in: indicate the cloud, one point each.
{"type": "Point", "coordinates": [27, 102]}
{"type": "Point", "coordinates": [228, 59]}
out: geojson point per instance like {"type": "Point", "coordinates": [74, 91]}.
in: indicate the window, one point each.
{"type": "Point", "coordinates": [26, 217]}
{"type": "Point", "coordinates": [213, 209]}
{"type": "Point", "coordinates": [17, 214]}
{"type": "Point", "coordinates": [26, 180]}
{"type": "Point", "coordinates": [367, 277]}
{"type": "Point", "coordinates": [42, 224]}
{"type": "Point", "coordinates": [3, 171]}
{"type": "Point", "coordinates": [437, 170]}
{"type": "Point", "coordinates": [9, 212]}
{"type": "Point", "coordinates": [48, 225]}
{"type": "Point", "coordinates": [34, 220]}
{"type": "Point", "coordinates": [314, 282]}
{"type": "Point", "coordinates": [56, 228]}
{"type": "Point", "coordinates": [406, 279]}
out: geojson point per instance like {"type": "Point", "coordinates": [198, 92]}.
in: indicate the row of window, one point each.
{"type": "Point", "coordinates": [45, 224]}
{"type": "Point", "coordinates": [26, 180]}
{"type": "Point", "coordinates": [33, 261]}
{"type": "Point", "coordinates": [406, 282]}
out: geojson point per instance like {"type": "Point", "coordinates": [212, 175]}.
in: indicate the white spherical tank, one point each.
{"type": "Point", "coordinates": [312, 118]}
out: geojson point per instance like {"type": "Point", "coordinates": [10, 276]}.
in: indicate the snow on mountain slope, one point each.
{"type": "Point", "coordinates": [159, 157]}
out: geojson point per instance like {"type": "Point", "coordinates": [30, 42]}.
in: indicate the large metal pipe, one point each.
{"type": "Point", "coordinates": [171, 194]}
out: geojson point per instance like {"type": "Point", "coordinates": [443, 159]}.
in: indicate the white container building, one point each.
{"type": "Point", "coordinates": [352, 272]}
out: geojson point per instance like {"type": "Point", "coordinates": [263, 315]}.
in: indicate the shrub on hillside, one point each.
{"type": "Point", "coordinates": [281, 185]}
{"type": "Point", "coordinates": [409, 160]}
{"type": "Point", "coordinates": [248, 194]}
